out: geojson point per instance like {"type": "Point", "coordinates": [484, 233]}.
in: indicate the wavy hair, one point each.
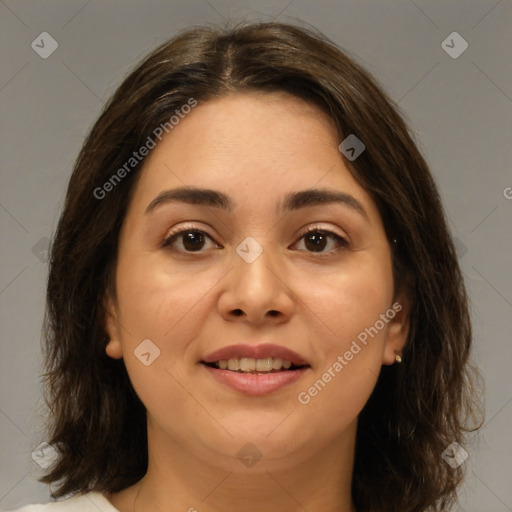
{"type": "Point", "coordinates": [97, 422]}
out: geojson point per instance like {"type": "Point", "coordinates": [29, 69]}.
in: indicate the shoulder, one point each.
{"type": "Point", "coordinates": [89, 502]}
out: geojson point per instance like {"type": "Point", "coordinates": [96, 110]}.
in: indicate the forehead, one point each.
{"type": "Point", "coordinates": [254, 147]}
{"type": "Point", "coordinates": [236, 127]}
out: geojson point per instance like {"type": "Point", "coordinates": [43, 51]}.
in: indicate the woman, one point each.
{"type": "Point", "coordinates": [254, 302]}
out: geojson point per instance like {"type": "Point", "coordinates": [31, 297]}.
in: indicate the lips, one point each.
{"type": "Point", "coordinates": [292, 367]}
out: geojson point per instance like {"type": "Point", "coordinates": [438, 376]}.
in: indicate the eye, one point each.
{"type": "Point", "coordinates": [188, 240]}
{"type": "Point", "coordinates": [316, 240]}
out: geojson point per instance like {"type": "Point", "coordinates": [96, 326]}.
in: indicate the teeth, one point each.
{"type": "Point", "coordinates": [233, 364]}
{"type": "Point", "coordinates": [249, 364]}
{"type": "Point", "coordinates": [277, 363]}
{"type": "Point", "coordinates": [264, 365]}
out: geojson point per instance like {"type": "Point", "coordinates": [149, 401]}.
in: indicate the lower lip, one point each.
{"type": "Point", "coordinates": [256, 384]}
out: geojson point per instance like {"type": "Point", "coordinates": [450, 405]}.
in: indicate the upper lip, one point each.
{"type": "Point", "coordinates": [261, 351]}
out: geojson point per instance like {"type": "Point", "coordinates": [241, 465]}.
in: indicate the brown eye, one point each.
{"type": "Point", "coordinates": [189, 240]}
{"type": "Point", "coordinates": [317, 240]}
{"type": "Point", "coordinates": [193, 240]}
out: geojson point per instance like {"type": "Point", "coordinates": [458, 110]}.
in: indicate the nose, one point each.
{"type": "Point", "coordinates": [257, 292]}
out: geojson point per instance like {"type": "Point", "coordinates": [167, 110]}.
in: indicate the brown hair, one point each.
{"type": "Point", "coordinates": [416, 410]}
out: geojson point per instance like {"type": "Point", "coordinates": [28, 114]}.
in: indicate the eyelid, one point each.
{"type": "Point", "coordinates": [317, 227]}
{"type": "Point", "coordinates": [185, 227]}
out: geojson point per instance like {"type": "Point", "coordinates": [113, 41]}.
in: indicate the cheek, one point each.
{"type": "Point", "coordinates": [165, 306]}
{"type": "Point", "coordinates": [164, 310]}
{"type": "Point", "coordinates": [350, 336]}
{"type": "Point", "coordinates": [346, 302]}
{"type": "Point", "coordinates": [158, 300]}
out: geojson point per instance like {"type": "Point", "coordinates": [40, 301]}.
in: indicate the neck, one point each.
{"type": "Point", "coordinates": [177, 480]}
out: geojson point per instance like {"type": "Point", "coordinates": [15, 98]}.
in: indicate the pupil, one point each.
{"type": "Point", "coordinates": [193, 241]}
{"type": "Point", "coordinates": [317, 242]}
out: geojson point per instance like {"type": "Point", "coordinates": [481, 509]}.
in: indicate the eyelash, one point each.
{"type": "Point", "coordinates": [343, 243]}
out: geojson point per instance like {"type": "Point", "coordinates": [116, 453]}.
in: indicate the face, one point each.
{"type": "Point", "coordinates": [248, 242]}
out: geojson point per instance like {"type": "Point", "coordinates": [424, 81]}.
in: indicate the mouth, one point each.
{"type": "Point", "coordinates": [255, 369]}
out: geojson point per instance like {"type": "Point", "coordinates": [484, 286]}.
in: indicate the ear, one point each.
{"type": "Point", "coordinates": [113, 347]}
{"type": "Point", "coordinates": [398, 330]}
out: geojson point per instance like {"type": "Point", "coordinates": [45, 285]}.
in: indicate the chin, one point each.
{"type": "Point", "coordinates": [258, 452]}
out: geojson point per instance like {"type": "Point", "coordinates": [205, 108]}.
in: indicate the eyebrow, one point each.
{"type": "Point", "coordinates": [315, 197]}
{"type": "Point", "coordinates": [192, 195]}
{"type": "Point", "coordinates": [292, 201]}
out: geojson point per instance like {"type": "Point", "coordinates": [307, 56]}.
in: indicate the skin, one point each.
{"type": "Point", "coordinates": [255, 148]}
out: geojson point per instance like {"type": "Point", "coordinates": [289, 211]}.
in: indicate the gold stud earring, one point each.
{"type": "Point", "coordinates": [398, 359]}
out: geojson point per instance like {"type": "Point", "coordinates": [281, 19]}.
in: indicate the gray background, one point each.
{"type": "Point", "coordinates": [460, 110]}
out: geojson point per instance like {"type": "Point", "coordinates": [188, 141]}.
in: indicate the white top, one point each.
{"type": "Point", "coordinates": [89, 502]}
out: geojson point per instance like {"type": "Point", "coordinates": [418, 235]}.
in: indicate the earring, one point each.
{"type": "Point", "coordinates": [398, 359]}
